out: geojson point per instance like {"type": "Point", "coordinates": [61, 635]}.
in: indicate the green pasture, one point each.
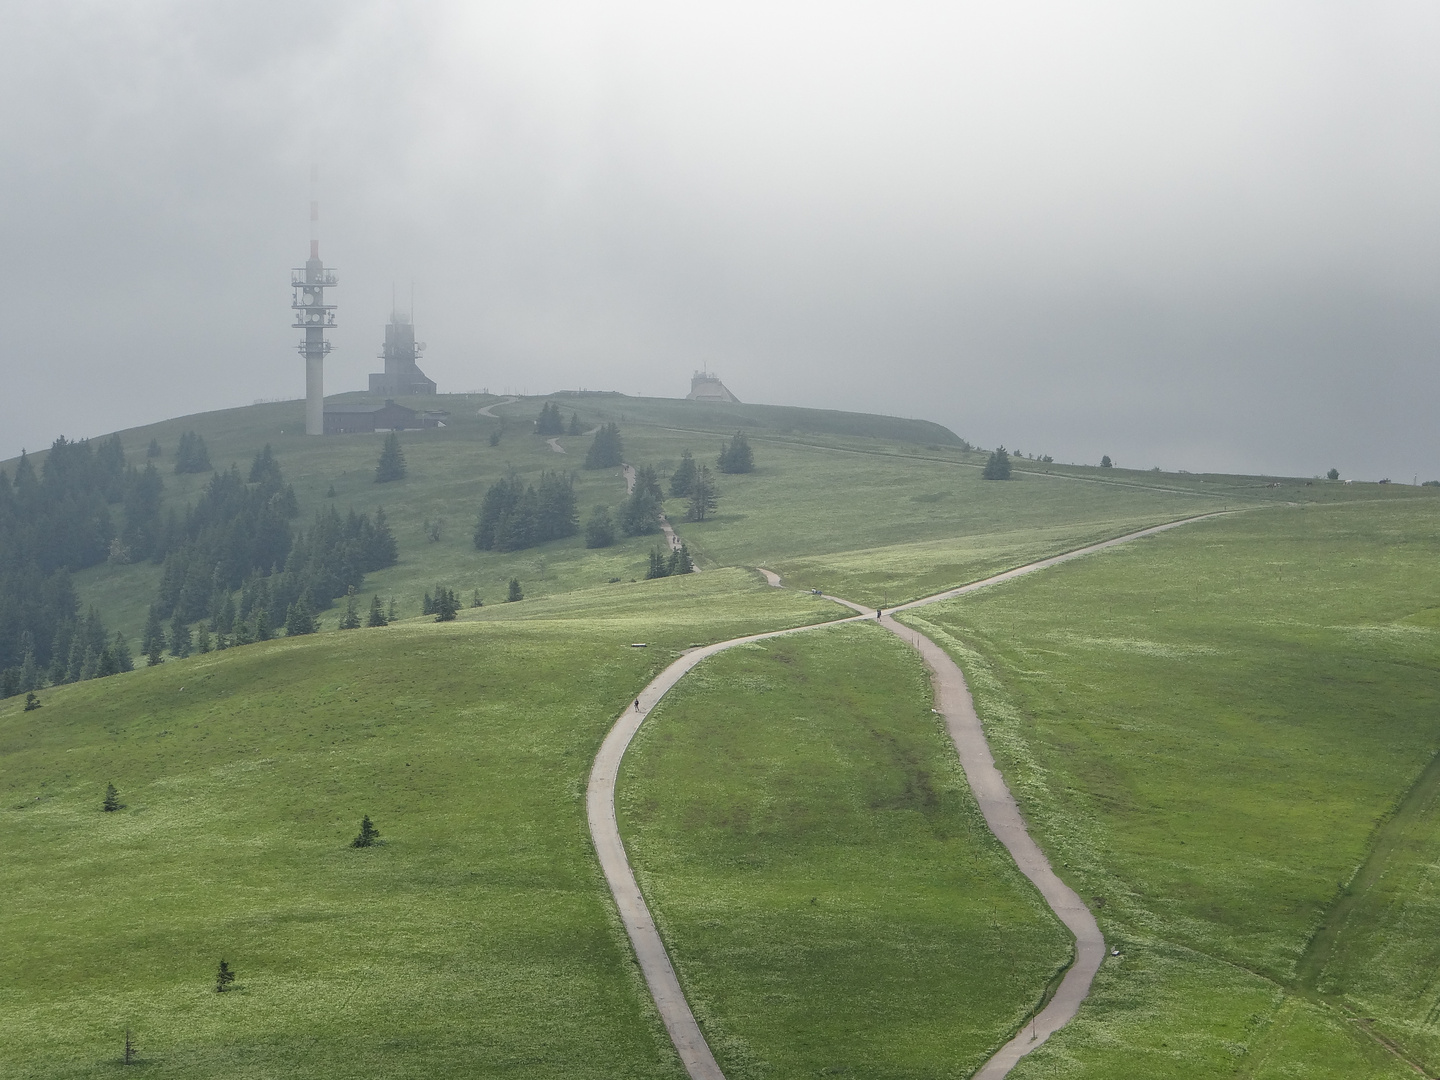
{"type": "Point", "coordinates": [478, 940]}
{"type": "Point", "coordinates": [829, 894]}
{"type": "Point", "coordinates": [879, 508]}
{"type": "Point", "coordinates": [1208, 731]}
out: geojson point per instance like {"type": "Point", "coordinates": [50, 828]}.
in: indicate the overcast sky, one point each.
{"type": "Point", "coordinates": [1198, 236]}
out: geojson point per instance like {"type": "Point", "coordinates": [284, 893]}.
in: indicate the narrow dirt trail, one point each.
{"type": "Point", "coordinates": [953, 701]}
{"type": "Point", "coordinates": [554, 444]}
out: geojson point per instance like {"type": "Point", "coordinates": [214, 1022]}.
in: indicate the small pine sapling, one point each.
{"type": "Point", "coordinates": [368, 834]}
{"type": "Point", "coordinates": [112, 799]}
{"type": "Point", "coordinates": [223, 978]}
{"type": "Point", "coordinates": [475, 600]}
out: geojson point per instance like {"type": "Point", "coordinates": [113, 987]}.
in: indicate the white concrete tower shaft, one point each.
{"type": "Point", "coordinates": [314, 316]}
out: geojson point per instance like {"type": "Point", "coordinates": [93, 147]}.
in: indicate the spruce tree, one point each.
{"type": "Point", "coordinates": [574, 424]}
{"type": "Point", "coordinates": [377, 613]}
{"type": "Point", "coordinates": [202, 639]}
{"type": "Point", "coordinates": [515, 591]}
{"type": "Point", "coordinates": [475, 600]}
{"type": "Point", "coordinates": [998, 466]}
{"type": "Point", "coordinates": [31, 702]}
{"type": "Point", "coordinates": [112, 799]}
{"type": "Point", "coordinates": [683, 477]}
{"type": "Point", "coordinates": [446, 604]}
{"type": "Point", "coordinates": [180, 643]}
{"type": "Point", "coordinates": [153, 450]}
{"type": "Point", "coordinates": [223, 978]}
{"type": "Point", "coordinates": [427, 606]}
{"type": "Point", "coordinates": [351, 619]}
{"type": "Point", "coordinates": [300, 619]}
{"type": "Point", "coordinates": [736, 456]}
{"type": "Point", "coordinates": [606, 451]}
{"type": "Point", "coordinates": [392, 461]}
{"type": "Point", "coordinates": [659, 566]}
{"type": "Point", "coordinates": [368, 834]}
{"type": "Point", "coordinates": [704, 497]}
{"type": "Point", "coordinates": [120, 650]}
{"type": "Point", "coordinates": [392, 610]}
{"type": "Point", "coordinates": [680, 561]}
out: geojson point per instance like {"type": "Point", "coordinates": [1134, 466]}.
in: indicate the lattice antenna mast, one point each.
{"type": "Point", "coordinates": [314, 315]}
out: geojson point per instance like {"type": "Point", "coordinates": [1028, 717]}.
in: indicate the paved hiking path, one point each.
{"type": "Point", "coordinates": [953, 702]}
{"type": "Point", "coordinates": [485, 409]}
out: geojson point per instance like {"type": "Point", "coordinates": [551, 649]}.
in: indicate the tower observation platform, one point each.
{"type": "Point", "coordinates": [402, 374]}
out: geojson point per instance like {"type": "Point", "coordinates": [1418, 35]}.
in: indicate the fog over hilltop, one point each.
{"type": "Point", "coordinates": [1195, 235]}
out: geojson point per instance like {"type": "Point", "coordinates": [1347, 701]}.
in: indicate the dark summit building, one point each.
{"type": "Point", "coordinates": [402, 375]}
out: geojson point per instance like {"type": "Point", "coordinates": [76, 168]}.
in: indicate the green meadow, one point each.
{"type": "Point", "coordinates": [828, 891]}
{"type": "Point", "coordinates": [478, 939]}
{"type": "Point", "coordinates": [1221, 735]}
{"type": "Point", "coordinates": [1225, 737]}
{"type": "Point", "coordinates": [881, 518]}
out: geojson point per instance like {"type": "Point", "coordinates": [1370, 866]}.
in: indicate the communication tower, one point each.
{"type": "Point", "coordinates": [314, 316]}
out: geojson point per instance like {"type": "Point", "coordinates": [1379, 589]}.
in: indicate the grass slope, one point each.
{"type": "Point", "coordinates": [1205, 730]}
{"type": "Point", "coordinates": [842, 501]}
{"type": "Point", "coordinates": [828, 892]}
{"type": "Point", "coordinates": [479, 940]}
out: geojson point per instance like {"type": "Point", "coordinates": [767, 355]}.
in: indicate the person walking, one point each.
{"type": "Point", "coordinates": [637, 704]}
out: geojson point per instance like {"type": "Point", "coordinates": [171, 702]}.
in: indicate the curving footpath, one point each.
{"type": "Point", "coordinates": [953, 702]}
{"type": "Point", "coordinates": [485, 410]}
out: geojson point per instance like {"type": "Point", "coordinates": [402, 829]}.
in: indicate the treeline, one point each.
{"type": "Point", "coordinates": [238, 537]}
{"type": "Point", "coordinates": [232, 560]}
{"type": "Point", "coordinates": [82, 507]}
{"type": "Point", "coordinates": [516, 515]}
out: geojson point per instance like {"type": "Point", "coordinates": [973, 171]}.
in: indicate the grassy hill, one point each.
{"type": "Point", "coordinates": [838, 500]}
{"type": "Point", "coordinates": [1207, 732]}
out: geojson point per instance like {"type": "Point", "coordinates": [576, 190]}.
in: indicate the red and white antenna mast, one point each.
{"type": "Point", "coordinates": [314, 315]}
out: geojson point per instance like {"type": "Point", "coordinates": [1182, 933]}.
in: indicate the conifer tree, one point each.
{"type": "Point", "coordinates": [153, 450]}
{"type": "Point", "coordinates": [180, 643]}
{"type": "Point", "coordinates": [998, 466]}
{"type": "Point", "coordinates": [574, 424]}
{"type": "Point", "coordinates": [736, 456]}
{"type": "Point", "coordinates": [392, 461]}
{"type": "Point", "coordinates": [683, 477]}
{"type": "Point", "coordinates": [515, 591]}
{"type": "Point", "coordinates": [680, 561]}
{"type": "Point", "coordinates": [606, 451]}
{"type": "Point", "coordinates": [659, 565]}
{"type": "Point", "coordinates": [31, 702]}
{"type": "Point", "coordinates": [446, 604]}
{"type": "Point", "coordinates": [223, 978]}
{"type": "Point", "coordinates": [368, 834]}
{"type": "Point", "coordinates": [120, 650]}
{"type": "Point", "coordinates": [351, 619]}
{"type": "Point", "coordinates": [392, 610]}
{"type": "Point", "coordinates": [377, 613]}
{"type": "Point", "coordinates": [300, 619]}
{"type": "Point", "coordinates": [475, 600]}
{"type": "Point", "coordinates": [704, 497]}
{"type": "Point", "coordinates": [202, 639]}
{"type": "Point", "coordinates": [112, 799]}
